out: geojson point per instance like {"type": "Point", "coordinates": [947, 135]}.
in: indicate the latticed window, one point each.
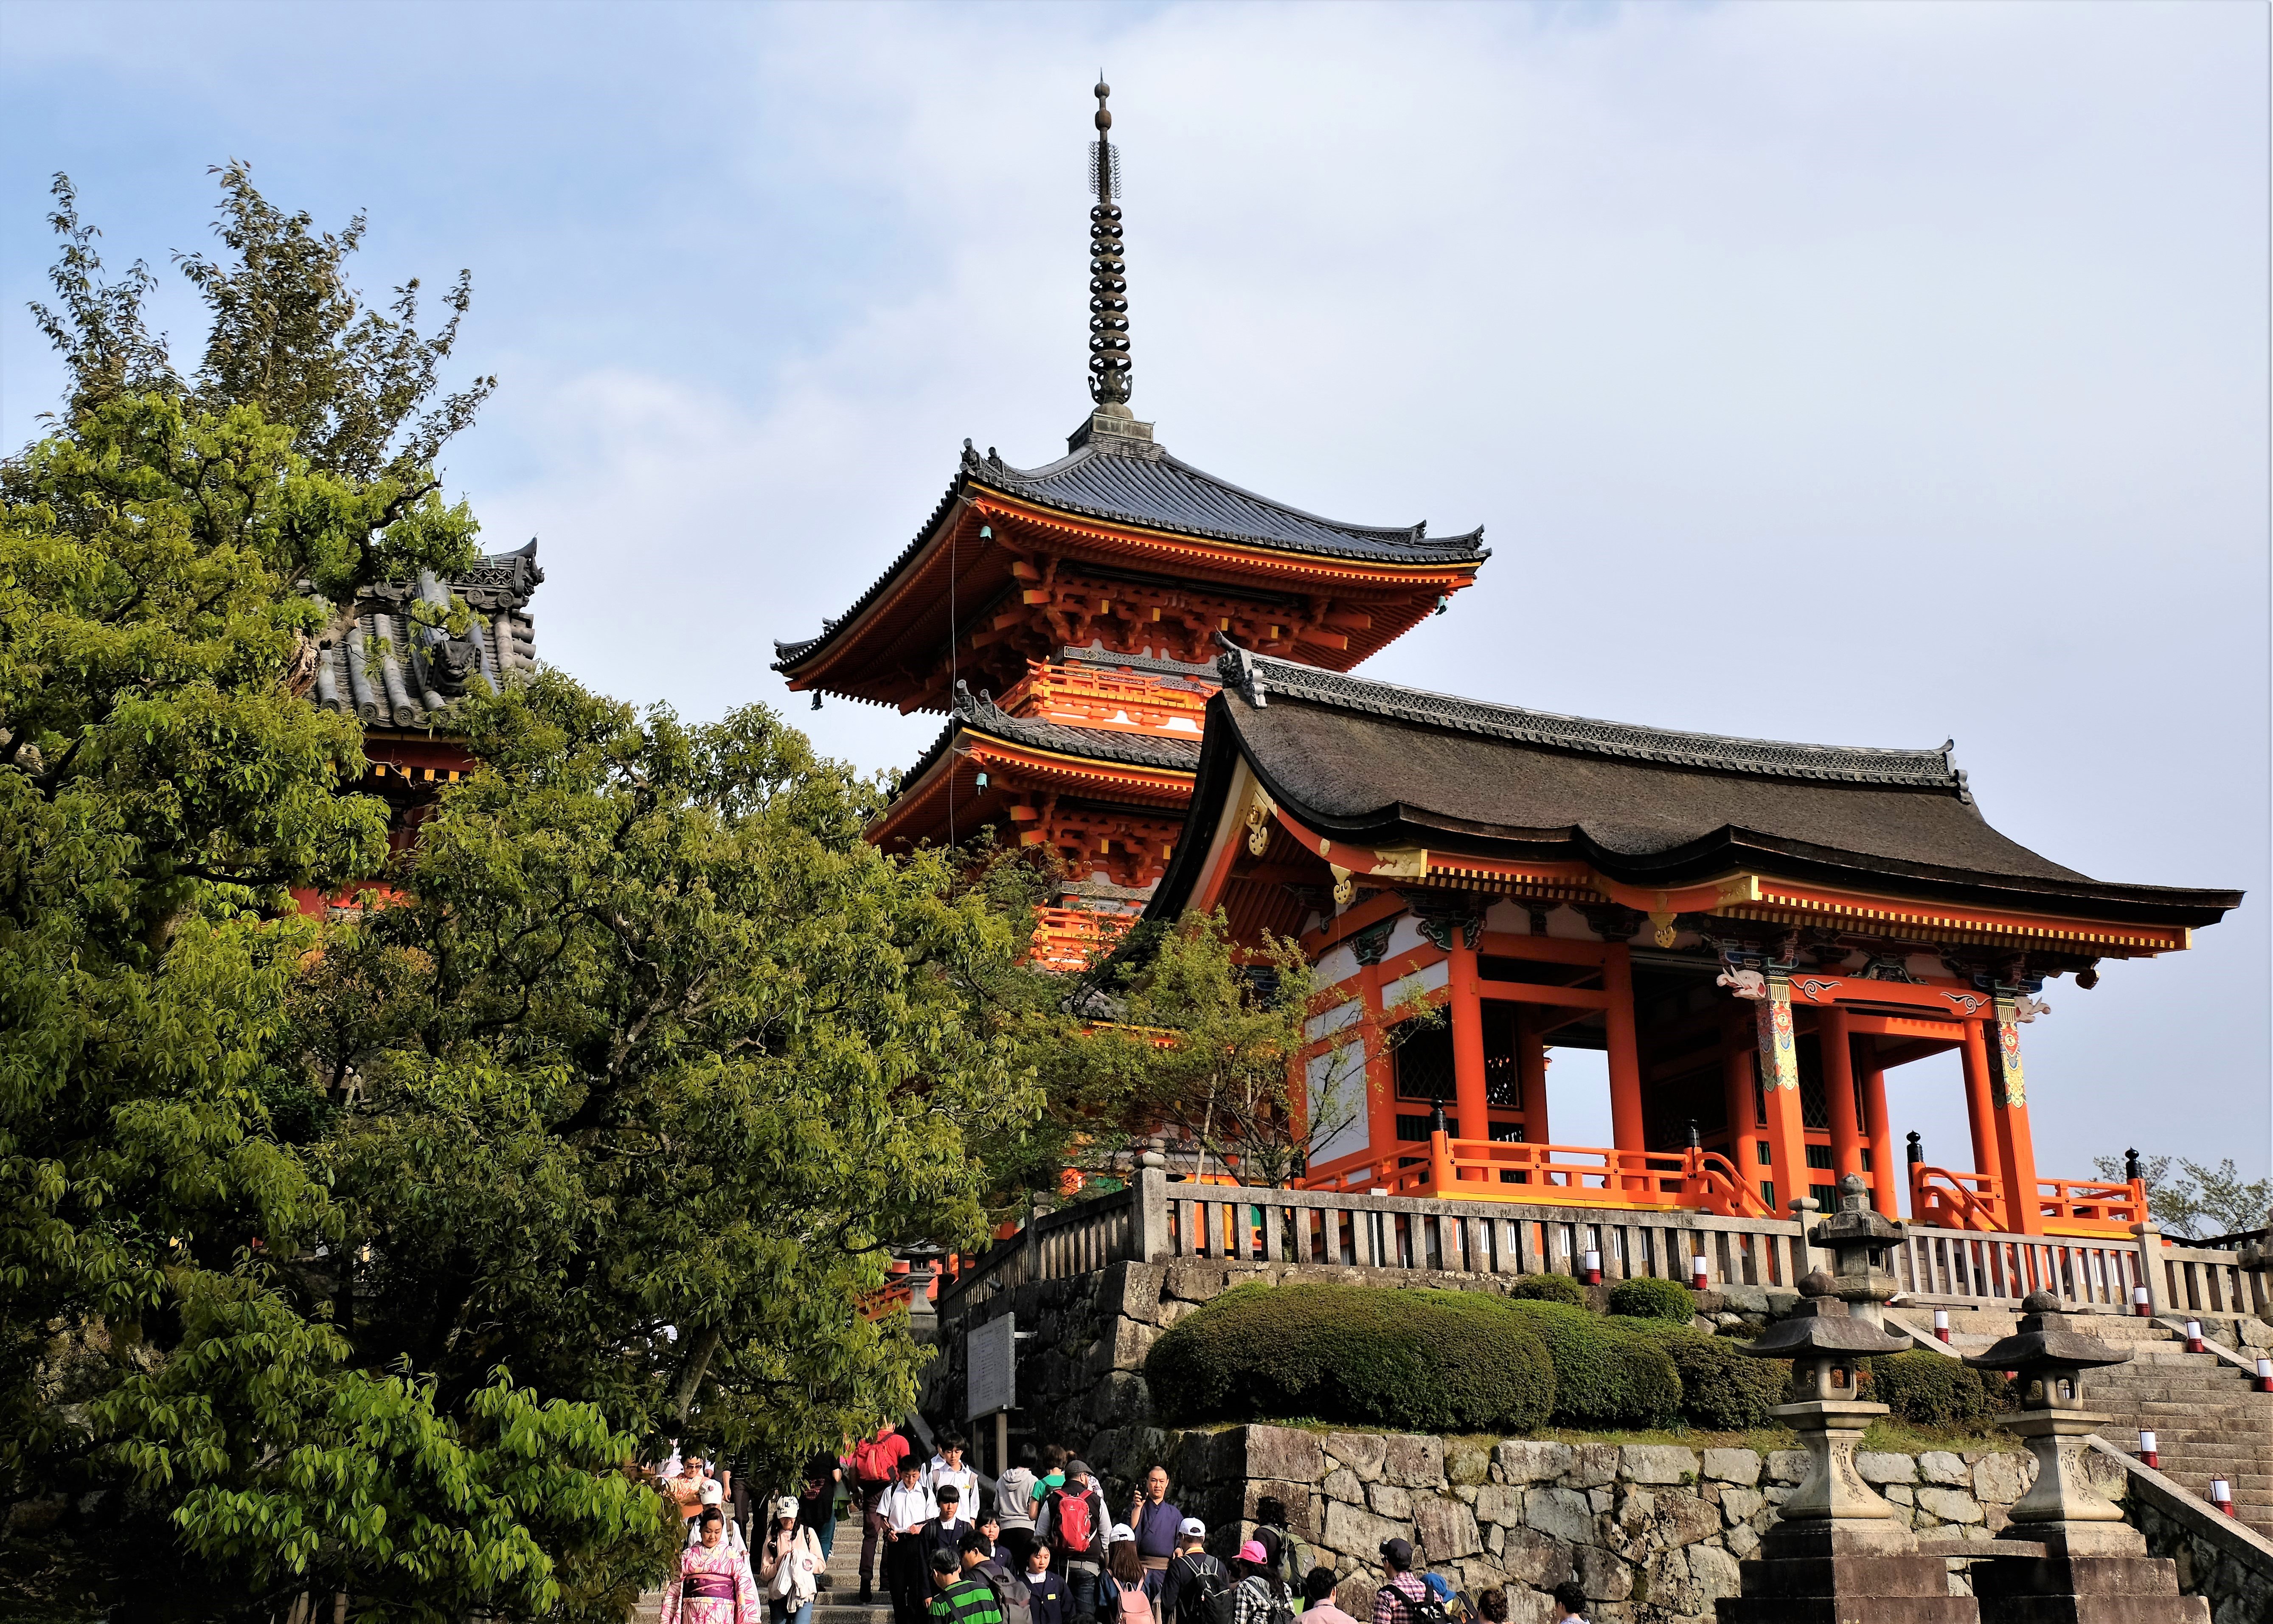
{"type": "Point", "coordinates": [1424, 1066]}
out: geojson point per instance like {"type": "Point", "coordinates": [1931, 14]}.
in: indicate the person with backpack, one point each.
{"type": "Point", "coordinates": [1257, 1597]}
{"type": "Point", "coordinates": [905, 1509]}
{"type": "Point", "coordinates": [876, 1465]}
{"type": "Point", "coordinates": [1122, 1598]}
{"type": "Point", "coordinates": [1318, 1599]}
{"type": "Point", "coordinates": [1403, 1598]}
{"type": "Point", "coordinates": [958, 1597]}
{"type": "Point", "coordinates": [1282, 1552]}
{"type": "Point", "coordinates": [1072, 1523]}
{"type": "Point", "coordinates": [1011, 1595]}
{"type": "Point", "coordinates": [1196, 1589]}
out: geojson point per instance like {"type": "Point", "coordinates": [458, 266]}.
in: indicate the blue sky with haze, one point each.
{"type": "Point", "coordinates": [1859, 373]}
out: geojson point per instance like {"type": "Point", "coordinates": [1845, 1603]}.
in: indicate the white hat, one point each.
{"type": "Point", "coordinates": [1192, 1528]}
{"type": "Point", "coordinates": [1121, 1532]}
{"type": "Point", "coordinates": [712, 1491]}
{"type": "Point", "coordinates": [785, 1507]}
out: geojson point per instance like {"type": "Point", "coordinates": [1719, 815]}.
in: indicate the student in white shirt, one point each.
{"type": "Point", "coordinates": [905, 1509]}
{"type": "Point", "coordinates": [948, 1467]}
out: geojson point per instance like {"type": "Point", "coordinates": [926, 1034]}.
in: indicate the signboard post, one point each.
{"type": "Point", "coordinates": [990, 1362]}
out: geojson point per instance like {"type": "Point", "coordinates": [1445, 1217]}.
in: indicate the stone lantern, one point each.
{"type": "Point", "coordinates": [2092, 1564]}
{"type": "Point", "coordinates": [1860, 1241]}
{"type": "Point", "coordinates": [1837, 1552]}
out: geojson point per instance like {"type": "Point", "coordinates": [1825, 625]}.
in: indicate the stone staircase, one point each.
{"type": "Point", "coordinates": [840, 1604]}
{"type": "Point", "coordinates": [2207, 1418]}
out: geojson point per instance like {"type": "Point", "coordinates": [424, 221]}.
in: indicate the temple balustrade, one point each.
{"type": "Point", "coordinates": [1161, 1220]}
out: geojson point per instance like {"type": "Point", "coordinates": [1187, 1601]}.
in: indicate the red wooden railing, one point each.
{"type": "Point", "coordinates": [1944, 1199]}
{"type": "Point", "coordinates": [1560, 1175]}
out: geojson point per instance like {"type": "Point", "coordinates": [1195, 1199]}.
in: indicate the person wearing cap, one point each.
{"type": "Point", "coordinates": [1256, 1596]}
{"type": "Point", "coordinates": [1156, 1520]}
{"type": "Point", "coordinates": [1193, 1577]}
{"type": "Point", "coordinates": [1401, 1593]}
{"type": "Point", "coordinates": [1121, 1595]}
{"type": "Point", "coordinates": [1071, 1522]}
{"type": "Point", "coordinates": [787, 1561]}
{"type": "Point", "coordinates": [1318, 1599]}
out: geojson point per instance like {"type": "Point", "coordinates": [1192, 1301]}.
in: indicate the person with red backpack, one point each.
{"type": "Point", "coordinates": [876, 1465]}
{"type": "Point", "coordinates": [1071, 1522]}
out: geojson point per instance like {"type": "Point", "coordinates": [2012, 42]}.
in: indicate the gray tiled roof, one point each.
{"type": "Point", "coordinates": [1259, 677]}
{"type": "Point", "coordinates": [383, 665]}
{"type": "Point", "coordinates": [978, 713]}
{"type": "Point", "coordinates": [1141, 484]}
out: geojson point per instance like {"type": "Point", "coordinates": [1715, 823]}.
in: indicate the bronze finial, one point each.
{"type": "Point", "coordinates": [1109, 370]}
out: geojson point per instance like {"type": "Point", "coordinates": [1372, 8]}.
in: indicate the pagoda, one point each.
{"type": "Point", "coordinates": [1065, 620]}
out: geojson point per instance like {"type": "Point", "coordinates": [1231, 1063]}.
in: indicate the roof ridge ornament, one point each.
{"type": "Point", "coordinates": [1109, 369]}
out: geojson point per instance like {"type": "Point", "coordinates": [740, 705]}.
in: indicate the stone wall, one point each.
{"type": "Point", "coordinates": [1652, 1532]}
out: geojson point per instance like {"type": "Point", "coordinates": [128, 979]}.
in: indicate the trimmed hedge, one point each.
{"type": "Point", "coordinates": [1414, 1360]}
{"type": "Point", "coordinates": [1643, 1298]}
{"type": "Point", "coordinates": [1723, 1390]}
{"type": "Point", "coordinates": [1927, 1389]}
{"type": "Point", "coordinates": [1605, 1373]}
{"type": "Point", "coordinates": [1550, 1289]}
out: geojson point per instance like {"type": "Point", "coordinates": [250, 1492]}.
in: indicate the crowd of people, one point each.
{"type": "Point", "coordinates": [1037, 1549]}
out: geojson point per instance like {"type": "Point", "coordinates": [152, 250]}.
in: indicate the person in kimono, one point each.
{"type": "Point", "coordinates": [714, 1585]}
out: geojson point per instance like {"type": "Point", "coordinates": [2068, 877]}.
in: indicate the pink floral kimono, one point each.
{"type": "Point", "coordinates": [713, 1587]}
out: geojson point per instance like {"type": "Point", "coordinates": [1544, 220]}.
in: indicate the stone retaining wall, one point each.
{"type": "Point", "coordinates": [1652, 1532]}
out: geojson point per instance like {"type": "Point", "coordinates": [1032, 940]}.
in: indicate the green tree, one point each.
{"type": "Point", "coordinates": [634, 1091]}
{"type": "Point", "coordinates": [2199, 1201]}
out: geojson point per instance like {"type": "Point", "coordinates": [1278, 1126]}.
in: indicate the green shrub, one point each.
{"type": "Point", "coordinates": [1605, 1374]}
{"type": "Point", "coordinates": [1550, 1289]}
{"type": "Point", "coordinates": [1410, 1359]}
{"type": "Point", "coordinates": [1721, 1390]}
{"type": "Point", "coordinates": [1641, 1298]}
{"type": "Point", "coordinates": [1928, 1389]}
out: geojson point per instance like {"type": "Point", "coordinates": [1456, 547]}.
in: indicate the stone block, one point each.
{"type": "Point", "coordinates": [1342, 1485]}
{"type": "Point", "coordinates": [1656, 1463]}
{"type": "Point", "coordinates": [1120, 1398]}
{"type": "Point", "coordinates": [1712, 1574]}
{"type": "Point", "coordinates": [1789, 1466]}
{"type": "Point", "coordinates": [1359, 1533]}
{"type": "Point", "coordinates": [2001, 1478]}
{"type": "Point", "coordinates": [1519, 1461]}
{"type": "Point", "coordinates": [1740, 1505]}
{"type": "Point", "coordinates": [1361, 1452]}
{"type": "Point", "coordinates": [1283, 1453]}
{"type": "Point", "coordinates": [1539, 1559]}
{"type": "Point", "coordinates": [1742, 1541]}
{"type": "Point", "coordinates": [1592, 1464]}
{"type": "Point", "coordinates": [1133, 1290]}
{"type": "Point", "coordinates": [1446, 1528]}
{"type": "Point", "coordinates": [1562, 1514]}
{"type": "Point", "coordinates": [1171, 1310]}
{"type": "Point", "coordinates": [1949, 1504]}
{"type": "Point", "coordinates": [1745, 1299]}
{"type": "Point", "coordinates": [1939, 1466]}
{"type": "Point", "coordinates": [1386, 1500]}
{"type": "Point", "coordinates": [1413, 1461]}
{"type": "Point", "coordinates": [1466, 1463]}
{"type": "Point", "coordinates": [1497, 1502]}
{"type": "Point", "coordinates": [1295, 1497]}
{"type": "Point", "coordinates": [1733, 1465]}
{"type": "Point", "coordinates": [1884, 1468]}
{"type": "Point", "coordinates": [1901, 1494]}
{"type": "Point", "coordinates": [1602, 1576]}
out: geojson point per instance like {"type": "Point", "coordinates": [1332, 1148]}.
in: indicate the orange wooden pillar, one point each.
{"type": "Point", "coordinates": [1744, 1114]}
{"type": "Point", "coordinates": [1530, 1071]}
{"type": "Point", "coordinates": [1778, 1064]}
{"type": "Point", "coordinates": [2008, 1103]}
{"type": "Point", "coordinates": [1626, 1055]}
{"type": "Point", "coordinates": [1467, 1013]}
{"type": "Point", "coordinates": [1988, 1157]}
{"type": "Point", "coordinates": [1886, 1173]}
{"type": "Point", "coordinates": [1833, 1041]}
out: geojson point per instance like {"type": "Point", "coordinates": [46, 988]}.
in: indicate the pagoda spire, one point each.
{"type": "Point", "coordinates": [1109, 369]}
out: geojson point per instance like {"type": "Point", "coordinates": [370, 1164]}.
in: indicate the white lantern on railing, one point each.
{"type": "Point", "coordinates": [1701, 1273]}
{"type": "Point", "coordinates": [2265, 1375]}
{"type": "Point", "coordinates": [2147, 1452]}
{"type": "Point", "coordinates": [2139, 1302]}
{"type": "Point", "coordinates": [1941, 1324]}
{"type": "Point", "coordinates": [1594, 1267]}
{"type": "Point", "coordinates": [2221, 1495]}
{"type": "Point", "coordinates": [2194, 1337]}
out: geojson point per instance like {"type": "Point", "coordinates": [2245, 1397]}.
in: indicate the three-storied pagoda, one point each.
{"type": "Point", "coordinates": [1065, 618]}
{"type": "Point", "coordinates": [1754, 933]}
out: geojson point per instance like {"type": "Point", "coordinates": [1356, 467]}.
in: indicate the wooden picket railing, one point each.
{"type": "Point", "coordinates": [1564, 1175]}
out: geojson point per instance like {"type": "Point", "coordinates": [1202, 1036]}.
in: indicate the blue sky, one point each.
{"type": "Point", "coordinates": [1860, 373]}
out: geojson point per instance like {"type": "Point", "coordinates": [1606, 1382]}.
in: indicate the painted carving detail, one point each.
{"type": "Point", "coordinates": [1779, 1058]}
{"type": "Point", "coordinates": [1259, 808]}
{"type": "Point", "coordinates": [1744, 983]}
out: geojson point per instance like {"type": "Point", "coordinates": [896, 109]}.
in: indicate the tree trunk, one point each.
{"type": "Point", "coordinates": [690, 1378]}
